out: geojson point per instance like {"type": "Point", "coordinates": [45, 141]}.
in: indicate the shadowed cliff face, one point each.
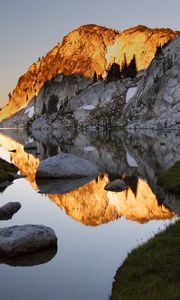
{"type": "Point", "coordinates": [86, 50]}
{"type": "Point", "coordinates": [90, 204]}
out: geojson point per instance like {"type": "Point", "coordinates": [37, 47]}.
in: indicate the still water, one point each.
{"type": "Point", "coordinates": [95, 229]}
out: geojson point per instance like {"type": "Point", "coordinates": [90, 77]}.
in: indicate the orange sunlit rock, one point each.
{"type": "Point", "coordinates": [86, 50]}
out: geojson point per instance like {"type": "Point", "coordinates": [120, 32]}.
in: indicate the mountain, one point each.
{"type": "Point", "coordinates": [156, 104]}
{"type": "Point", "coordinates": [87, 50]}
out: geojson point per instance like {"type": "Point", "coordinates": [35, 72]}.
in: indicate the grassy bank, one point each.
{"type": "Point", "coordinates": [152, 271]}
{"type": "Point", "coordinates": [170, 179]}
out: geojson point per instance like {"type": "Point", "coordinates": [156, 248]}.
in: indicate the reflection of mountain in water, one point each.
{"type": "Point", "coordinates": [126, 157]}
{"type": "Point", "coordinates": [92, 205]}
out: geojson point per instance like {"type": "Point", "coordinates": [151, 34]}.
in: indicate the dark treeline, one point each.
{"type": "Point", "coordinates": [126, 70]}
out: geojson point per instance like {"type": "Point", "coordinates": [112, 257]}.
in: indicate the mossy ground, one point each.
{"type": "Point", "coordinates": [170, 179]}
{"type": "Point", "coordinates": [152, 271]}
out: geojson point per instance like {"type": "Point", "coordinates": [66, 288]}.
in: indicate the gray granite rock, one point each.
{"type": "Point", "coordinates": [24, 239]}
{"type": "Point", "coordinates": [116, 185]}
{"type": "Point", "coordinates": [8, 210]}
{"type": "Point", "coordinates": [66, 166]}
{"type": "Point", "coordinates": [31, 145]}
{"type": "Point", "coordinates": [156, 104]}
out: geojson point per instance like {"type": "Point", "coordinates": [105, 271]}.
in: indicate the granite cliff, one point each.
{"type": "Point", "coordinates": [156, 104]}
{"type": "Point", "coordinates": [86, 50]}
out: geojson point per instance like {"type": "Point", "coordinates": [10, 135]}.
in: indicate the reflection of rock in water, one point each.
{"type": "Point", "coordinates": [26, 163]}
{"type": "Point", "coordinates": [32, 259]}
{"type": "Point", "coordinates": [91, 204]}
{"type": "Point", "coordinates": [155, 152]}
{"type": "Point", "coordinates": [60, 186]}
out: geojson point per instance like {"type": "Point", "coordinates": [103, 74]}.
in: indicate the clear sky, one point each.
{"type": "Point", "coordinates": [30, 28]}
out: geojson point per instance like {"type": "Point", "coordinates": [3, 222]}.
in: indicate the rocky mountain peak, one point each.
{"type": "Point", "coordinates": [86, 50]}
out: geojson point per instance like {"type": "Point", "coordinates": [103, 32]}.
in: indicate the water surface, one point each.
{"type": "Point", "coordinates": [95, 229]}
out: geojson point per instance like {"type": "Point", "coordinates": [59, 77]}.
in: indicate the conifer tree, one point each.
{"type": "Point", "coordinates": [124, 67]}
{"type": "Point", "coordinates": [114, 72]}
{"type": "Point", "coordinates": [132, 68]}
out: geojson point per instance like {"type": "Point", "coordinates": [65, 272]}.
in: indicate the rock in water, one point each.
{"type": "Point", "coordinates": [116, 185]}
{"type": "Point", "coordinates": [66, 166]}
{"type": "Point", "coordinates": [8, 210]}
{"type": "Point", "coordinates": [18, 240]}
{"type": "Point", "coordinates": [31, 145]}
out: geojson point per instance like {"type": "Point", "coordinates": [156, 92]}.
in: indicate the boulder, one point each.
{"type": "Point", "coordinates": [116, 185]}
{"type": "Point", "coordinates": [24, 239]}
{"type": "Point", "coordinates": [8, 210]}
{"type": "Point", "coordinates": [66, 166]}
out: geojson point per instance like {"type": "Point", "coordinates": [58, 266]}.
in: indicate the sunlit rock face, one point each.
{"type": "Point", "coordinates": [86, 50]}
{"type": "Point", "coordinates": [156, 104]}
{"type": "Point", "coordinates": [140, 41]}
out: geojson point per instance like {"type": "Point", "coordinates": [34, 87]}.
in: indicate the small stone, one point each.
{"type": "Point", "coordinates": [116, 185]}
{"type": "Point", "coordinates": [8, 210]}
{"type": "Point", "coordinates": [31, 145]}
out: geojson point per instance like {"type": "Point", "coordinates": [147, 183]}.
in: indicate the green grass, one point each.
{"type": "Point", "coordinates": [152, 271]}
{"type": "Point", "coordinates": [170, 179]}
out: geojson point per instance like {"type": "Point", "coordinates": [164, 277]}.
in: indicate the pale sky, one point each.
{"type": "Point", "coordinates": [30, 28]}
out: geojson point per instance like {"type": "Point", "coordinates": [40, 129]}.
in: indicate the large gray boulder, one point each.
{"type": "Point", "coordinates": [18, 240]}
{"type": "Point", "coordinates": [66, 166]}
{"type": "Point", "coordinates": [8, 210]}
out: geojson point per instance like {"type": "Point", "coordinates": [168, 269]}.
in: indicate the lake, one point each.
{"type": "Point", "coordinates": [96, 229]}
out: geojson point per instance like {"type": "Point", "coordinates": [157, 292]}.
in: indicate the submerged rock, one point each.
{"type": "Point", "coordinates": [8, 210]}
{"type": "Point", "coordinates": [66, 166]}
{"type": "Point", "coordinates": [116, 185]}
{"type": "Point", "coordinates": [18, 240]}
